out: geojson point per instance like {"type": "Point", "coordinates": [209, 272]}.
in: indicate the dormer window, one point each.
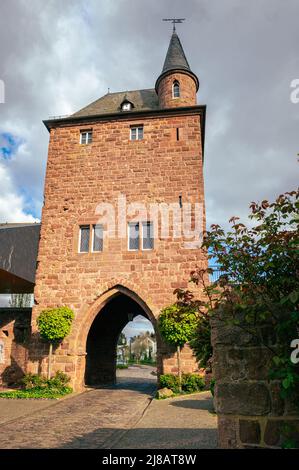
{"type": "Point", "coordinates": [126, 105]}
{"type": "Point", "coordinates": [176, 89]}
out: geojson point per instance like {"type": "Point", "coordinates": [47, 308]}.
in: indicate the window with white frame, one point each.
{"type": "Point", "coordinates": [86, 137]}
{"type": "Point", "coordinates": [97, 238]}
{"type": "Point", "coordinates": [84, 235]}
{"type": "Point", "coordinates": [136, 133]}
{"type": "Point", "coordinates": [176, 89]}
{"type": "Point", "coordinates": [133, 236]}
{"type": "Point", "coordinates": [147, 235]}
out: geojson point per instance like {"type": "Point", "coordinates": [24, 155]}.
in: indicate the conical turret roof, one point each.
{"type": "Point", "coordinates": [175, 57]}
{"type": "Point", "coordinates": [176, 60]}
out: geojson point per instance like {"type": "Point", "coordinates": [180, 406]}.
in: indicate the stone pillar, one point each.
{"type": "Point", "coordinates": [251, 412]}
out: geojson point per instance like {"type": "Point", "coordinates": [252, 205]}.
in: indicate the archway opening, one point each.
{"type": "Point", "coordinates": [104, 337]}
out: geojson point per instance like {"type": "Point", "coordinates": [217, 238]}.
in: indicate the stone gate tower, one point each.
{"type": "Point", "coordinates": [127, 150]}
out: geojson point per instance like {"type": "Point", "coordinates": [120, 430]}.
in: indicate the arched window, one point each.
{"type": "Point", "coordinates": [176, 89]}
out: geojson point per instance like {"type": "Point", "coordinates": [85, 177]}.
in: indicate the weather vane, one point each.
{"type": "Point", "coordinates": [174, 21]}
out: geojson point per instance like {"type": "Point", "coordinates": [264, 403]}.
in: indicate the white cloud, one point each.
{"type": "Point", "coordinates": [137, 326]}
{"type": "Point", "coordinates": [11, 204]}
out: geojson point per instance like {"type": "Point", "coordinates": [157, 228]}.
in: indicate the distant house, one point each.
{"type": "Point", "coordinates": [144, 347]}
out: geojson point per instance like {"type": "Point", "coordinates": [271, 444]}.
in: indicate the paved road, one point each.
{"type": "Point", "coordinates": [176, 423]}
{"type": "Point", "coordinates": [119, 417]}
{"type": "Point", "coordinates": [94, 419]}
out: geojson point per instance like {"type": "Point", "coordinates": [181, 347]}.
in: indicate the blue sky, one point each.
{"type": "Point", "coordinates": [9, 145]}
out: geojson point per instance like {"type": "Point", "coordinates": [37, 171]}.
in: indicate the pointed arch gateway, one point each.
{"type": "Point", "coordinates": [104, 322]}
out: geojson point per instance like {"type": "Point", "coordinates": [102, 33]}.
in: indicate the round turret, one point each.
{"type": "Point", "coordinates": [177, 85]}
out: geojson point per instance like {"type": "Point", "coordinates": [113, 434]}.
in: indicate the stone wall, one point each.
{"type": "Point", "coordinates": [187, 91]}
{"type": "Point", "coordinates": [14, 336]}
{"type": "Point", "coordinates": [251, 412]}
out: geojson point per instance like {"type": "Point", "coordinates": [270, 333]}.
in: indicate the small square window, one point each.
{"type": "Point", "coordinates": [137, 133]}
{"type": "Point", "coordinates": [85, 137]}
{"type": "Point", "coordinates": [133, 236]}
{"type": "Point", "coordinates": [97, 238]}
{"type": "Point", "coordinates": [147, 236]}
{"type": "Point", "coordinates": [84, 235]}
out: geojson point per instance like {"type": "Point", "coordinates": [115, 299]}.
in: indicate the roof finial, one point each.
{"type": "Point", "coordinates": [174, 21]}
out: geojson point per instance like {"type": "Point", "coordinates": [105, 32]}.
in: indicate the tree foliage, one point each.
{"type": "Point", "coordinates": [55, 324]}
{"type": "Point", "coordinates": [177, 323]}
{"type": "Point", "coordinates": [259, 279]}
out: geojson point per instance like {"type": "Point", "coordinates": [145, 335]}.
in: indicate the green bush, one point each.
{"type": "Point", "coordinates": [190, 383]}
{"type": "Point", "coordinates": [169, 381]}
{"type": "Point", "coordinates": [39, 382]}
{"type": "Point", "coordinates": [30, 381]}
{"type": "Point", "coordinates": [59, 381]}
{"type": "Point", "coordinates": [38, 386]}
{"type": "Point", "coordinates": [54, 324]}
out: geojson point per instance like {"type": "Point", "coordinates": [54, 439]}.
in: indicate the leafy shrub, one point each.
{"type": "Point", "coordinates": [30, 381]}
{"type": "Point", "coordinates": [190, 383]}
{"type": "Point", "coordinates": [59, 381]}
{"type": "Point", "coordinates": [170, 381]}
{"type": "Point", "coordinates": [38, 386]}
{"type": "Point", "coordinates": [54, 324]}
{"type": "Point", "coordinates": [201, 341]}
{"type": "Point", "coordinates": [177, 324]}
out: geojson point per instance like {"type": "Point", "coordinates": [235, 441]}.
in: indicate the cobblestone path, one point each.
{"type": "Point", "coordinates": [94, 419]}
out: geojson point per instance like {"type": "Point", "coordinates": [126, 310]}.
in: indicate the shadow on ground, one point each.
{"type": "Point", "coordinates": [144, 438]}
{"type": "Point", "coordinates": [129, 383]}
{"type": "Point", "coordinates": [206, 404]}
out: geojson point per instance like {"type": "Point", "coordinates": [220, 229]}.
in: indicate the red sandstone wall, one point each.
{"type": "Point", "coordinates": [156, 169]}
{"type": "Point", "coordinates": [14, 332]}
{"type": "Point", "coordinates": [187, 91]}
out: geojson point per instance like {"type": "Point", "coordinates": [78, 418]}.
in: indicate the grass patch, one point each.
{"type": "Point", "coordinates": [37, 393]}
{"type": "Point", "coordinates": [122, 366]}
{"type": "Point", "coordinates": [182, 394]}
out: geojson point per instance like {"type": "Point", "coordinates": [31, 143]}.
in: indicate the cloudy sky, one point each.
{"type": "Point", "coordinates": [56, 57]}
{"type": "Point", "coordinates": [137, 326]}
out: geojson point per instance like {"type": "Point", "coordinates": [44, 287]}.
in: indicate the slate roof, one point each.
{"type": "Point", "coordinates": [143, 100]}
{"type": "Point", "coordinates": [176, 60]}
{"type": "Point", "coordinates": [175, 57]}
{"type": "Point", "coordinates": [18, 250]}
